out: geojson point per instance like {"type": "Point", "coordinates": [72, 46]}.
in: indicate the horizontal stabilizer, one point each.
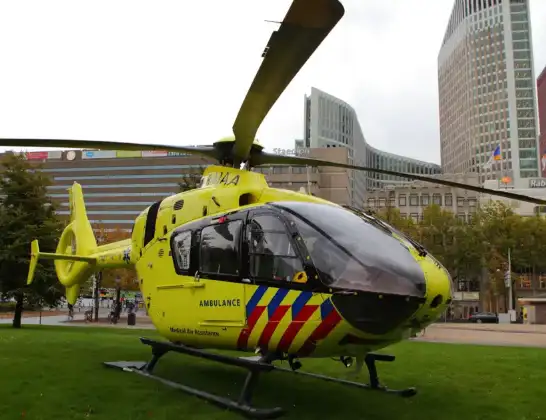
{"type": "Point", "coordinates": [35, 255]}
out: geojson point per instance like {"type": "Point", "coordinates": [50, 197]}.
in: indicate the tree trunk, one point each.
{"type": "Point", "coordinates": [484, 284]}
{"type": "Point", "coordinates": [18, 310]}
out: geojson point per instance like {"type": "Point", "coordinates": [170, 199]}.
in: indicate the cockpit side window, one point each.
{"type": "Point", "coordinates": [181, 251]}
{"type": "Point", "coordinates": [271, 251]}
{"type": "Point", "coordinates": [220, 249]}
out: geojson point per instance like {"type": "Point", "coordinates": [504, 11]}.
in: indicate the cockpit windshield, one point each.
{"type": "Point", "coordinates": [351, 253]}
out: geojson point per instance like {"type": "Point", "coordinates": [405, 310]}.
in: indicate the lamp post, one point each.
{"type": "Point", "coordinates": [98, 280]}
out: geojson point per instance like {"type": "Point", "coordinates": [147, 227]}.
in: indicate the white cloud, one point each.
{"type": "Point", "coordinates": [176, 72]}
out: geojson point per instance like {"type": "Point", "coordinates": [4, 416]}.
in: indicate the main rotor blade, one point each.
{"type": "Point", "coordinates": [303, 29]}
{"type": "Point", "coordinates": [272, 159]}
{"type": "Point", "coordinates": [207, 151]}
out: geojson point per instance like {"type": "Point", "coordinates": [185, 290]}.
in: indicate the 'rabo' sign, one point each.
{"type": "Point", "coordinates": [537, 183]}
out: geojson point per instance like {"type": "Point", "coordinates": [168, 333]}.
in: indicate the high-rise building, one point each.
{"type": "Point", "coordinates": [330, 122]}
{"type": "Point", "coordinates": [487, 91]}
{"type": "Point", "coordinates": [541, 95]}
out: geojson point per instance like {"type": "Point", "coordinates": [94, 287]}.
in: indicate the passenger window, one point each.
{"type": "Point", "coordinates": [271, 252]}
{"type": "Point", "coordinates": [182, 249]}
{"type": "Point", "coordinates": [219, 252]}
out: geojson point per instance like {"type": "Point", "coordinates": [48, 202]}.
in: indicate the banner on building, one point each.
{"type": "Point", "coordinates": [128, 153]}
{"type": "Point", "coordinates": [98, 154]}
{"type": "Point", "coordinates": [36, 155]}
{"type": "Point", "coordinates": [55, 154]}
{"type": "Point", "coordinates": [154, 153]}
{"type": "Point", "coordinates": [177, 154]}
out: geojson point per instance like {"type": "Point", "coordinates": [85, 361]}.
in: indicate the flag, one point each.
{"type": "Point", "coordinates": [497, 153]}
{"type": "Point", "coordinates": [495, 156]}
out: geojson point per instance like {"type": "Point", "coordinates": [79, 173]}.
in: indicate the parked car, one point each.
{"type": "Point", "coordinates": [485, 317]}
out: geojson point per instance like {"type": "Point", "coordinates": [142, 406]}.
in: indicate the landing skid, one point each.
{"type": "Point", "coordinates": [255, 366]}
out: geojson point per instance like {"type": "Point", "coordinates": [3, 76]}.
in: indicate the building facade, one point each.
{"type": "Point", "coordinates": [536, 188]}
{"type": "Point", "coordinates": [330, 123]}
{"type": "Point", "coordinates": [487, 91]}
{"type": "Point", "coordinates": [412, 198]}
{"type": "Point", "coordinates": [541, 95]}
{"type": "Point", "coordinates": [118, 185]}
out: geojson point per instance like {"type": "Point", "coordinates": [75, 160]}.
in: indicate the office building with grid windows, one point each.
{"type": "Point", "coordinates": [119, 185]}
{"type": "Point", "coordinates": [487, 92]}
{"type": "Point", "coordinates": [330, 122]}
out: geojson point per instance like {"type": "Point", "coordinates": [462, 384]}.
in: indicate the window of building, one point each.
{"type": "Point", "coordinates": [371, 202]}
{"type": "Point", "coordinates": [181, 250]}
{"type": "Point", "coordinates": [449, 200]}
{"type": "Point", "coordinates": [425, 200]}
{"type": "Point", "coordinates": [437, 199]}
{"type": "Point", "coordinates": [462, 217]}
{"type": "Point", "coordinates": [402, 200]}
{"type": "Point", "coordinates": [381, 202]}
{"type": "Point", "coordinates": [524, 281]}
{"type": "Point", "coordinates": [271, 251]}
{"type": "Point", "coordinates": [472, 202]}
{"type": "Point", "coordinates": [414, 217]}
{"type": "Point", "coordinates": [392, 202]}
{"type": "Point", "coordinates": [414, 200]}
{"type": "Point", "coordinates": [220, 251]}
{"type": "Point", "coordinates": [460, 201]}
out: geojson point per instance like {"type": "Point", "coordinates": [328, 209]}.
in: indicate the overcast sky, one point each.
{"type": "Point", "coordinates": [177, 71]}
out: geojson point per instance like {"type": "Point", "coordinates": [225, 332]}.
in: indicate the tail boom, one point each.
{"type": "Point", "coordinates": [78, 256]}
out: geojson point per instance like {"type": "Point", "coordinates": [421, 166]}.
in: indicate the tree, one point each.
{"type": "Point", "coordinates": [191, 179]}
{"type": "Point", "coordinates": [26, 213]}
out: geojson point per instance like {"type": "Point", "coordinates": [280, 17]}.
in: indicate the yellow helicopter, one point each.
{"type": "Point", "coordinates": [236, 265]}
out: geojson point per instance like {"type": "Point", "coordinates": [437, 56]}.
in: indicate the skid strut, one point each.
{"type": "Point", "coordinates": [374, 384]}
{"type": "Point", "coordinates": [242, 405]}
{"type": "Point", "coordinates": [255, 365]}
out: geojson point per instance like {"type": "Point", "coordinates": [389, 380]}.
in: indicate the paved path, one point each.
{"type": "Point", "coordinates": [143, 321]}
{"type": "Point", "coordinates": [482, 334]}
{"type": "Point", "coordinates": [518, 335]}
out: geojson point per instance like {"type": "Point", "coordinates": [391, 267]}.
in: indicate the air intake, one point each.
{"type": "Point", "coordinates": [178, 205]}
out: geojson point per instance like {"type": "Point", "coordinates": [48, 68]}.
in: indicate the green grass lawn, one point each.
{"type": "Point", "coordinates": [53, 373]}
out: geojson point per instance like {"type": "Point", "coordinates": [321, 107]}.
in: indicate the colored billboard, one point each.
{"type": "Point", "coordinates": [177, 154]}
{"type": "Point", "coordinates": [36, 155]}
{"type": "Point", "coordinates": [98, 154]}
{"type": "Point", "coordinates": [128, 153]}
{"type": "Point", "coordinates": [55, 154]}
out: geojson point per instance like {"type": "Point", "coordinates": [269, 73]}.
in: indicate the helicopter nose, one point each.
{"type": "Point", "coordinates": [439, 291]}
{"type": "Point", "coordinates": [380, 313]}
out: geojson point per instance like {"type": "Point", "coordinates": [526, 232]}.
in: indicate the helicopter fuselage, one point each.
{"type": "Point", "coordinates": [236, 265]}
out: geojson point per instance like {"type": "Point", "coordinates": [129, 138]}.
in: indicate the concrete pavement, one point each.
{"type": "Point", "coordinates": [518, 335]}
{"type": "Point", "coordinates": [142, 320]}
